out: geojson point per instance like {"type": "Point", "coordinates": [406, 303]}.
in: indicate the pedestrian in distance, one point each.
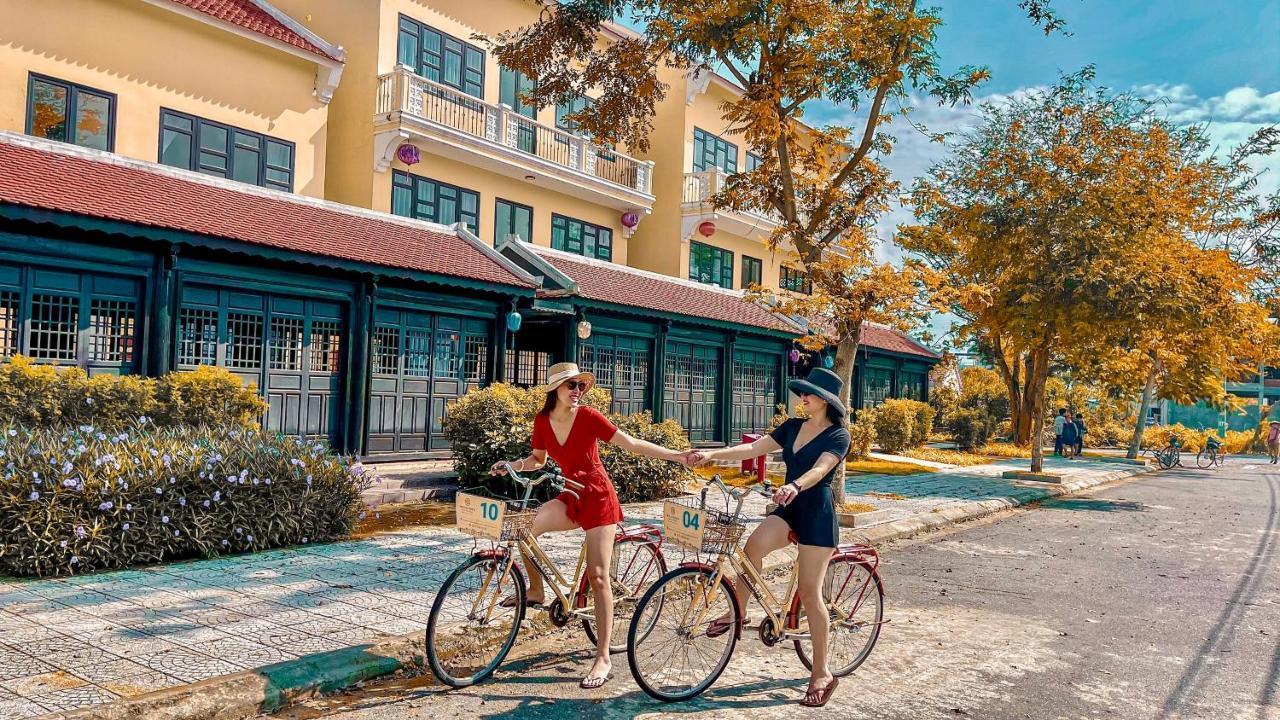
{"type": "Point", "coordinates": [1081, 429]}
{"type": "Point", "coordinates": [812, 450]}
{"type": "Point", "coordinates": [1070, 432]}
{"type": "Point", "coordinates": [571, 433]}
{"type": "Point", "coordinates": [1058, 422]}
{"type": "Point", "coordinates": [1273, 441]}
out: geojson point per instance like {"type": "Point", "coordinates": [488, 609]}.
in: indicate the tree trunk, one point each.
{"type": "Point", "coordinates": [1037, 374]}
{"type": "Point", "coordinates": [1148, 391]}
{"type": "Point", "coordinates": [846, 357]}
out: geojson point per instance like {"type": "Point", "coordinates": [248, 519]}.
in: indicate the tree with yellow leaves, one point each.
{"type": "Point", "coordinates": [1061, 229]}
{"type": "Point", "coordinates": [827, 185]}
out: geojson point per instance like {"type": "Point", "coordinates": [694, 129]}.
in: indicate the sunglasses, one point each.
{"type": "Point", "coordinates": [576, 384]}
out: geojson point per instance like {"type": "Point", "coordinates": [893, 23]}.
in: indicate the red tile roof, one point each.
{"type": "Point", "coordinates": [882, 337]}
{"type": "Point", "coordinates": [622, 285]}
{"type": "Point", "coordinates": [53, 176]}
{"type": "Point", "coordinates": [250, 16]}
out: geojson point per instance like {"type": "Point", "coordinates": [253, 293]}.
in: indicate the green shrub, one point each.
{"type": "Point", "coordinates": [78, 498]}
{"type": "Point", "coordinates": [207, 396]}
{"type": "Point", "coordinates": [862, 434]}
{"type": "Point", "coordinates": [496, 423]}
{"type": "Point", "coordinates": [1112, 434]}
{"type": "Point", "coordinates": [1156, 437]}
{"type": "Point", "coordinates": [895, 425]}
{"type": "Point", "coordinates": [923, 426]}
{"type": "Point", "coordinates": [971, 427]}
{"type": "Point", "coordinates": [639, 478]}
{"type": "Point", "coordinates": [39, 395]}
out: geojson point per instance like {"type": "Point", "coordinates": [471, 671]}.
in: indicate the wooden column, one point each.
{"type": "Point", "coordinates": [357, 385]}
{"type": "Point", "coordinates": [659, 369]}
{"type": "Point", "coordinates": [163, 303]}
{"type": "Point", "coordinates": [726, 390]}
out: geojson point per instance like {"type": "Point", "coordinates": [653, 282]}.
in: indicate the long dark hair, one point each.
{"type": "Point", "coordinates": [549, 404]}
{"type": "Point", "coordinates": [835, 416]}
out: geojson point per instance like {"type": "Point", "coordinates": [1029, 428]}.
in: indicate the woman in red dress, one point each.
{"type": "Point", "coordinates": [570, 433]}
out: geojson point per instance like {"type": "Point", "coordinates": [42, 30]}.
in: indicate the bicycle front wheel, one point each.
{"type": "Point", "coordinates": [469, 631]}
{"type": "Point", "coordinates": [634, 567]}
{"type": "Point", "coordinates": [673, 650]}
{"type": "Point", "coordinates": [1206, 459]}
{"type": "Point", "coordinates": [855, 605]}
{"type": "Point", "coordinates": [1165, 458]}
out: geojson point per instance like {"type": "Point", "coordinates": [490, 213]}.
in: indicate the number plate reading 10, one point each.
{"type": "Point", "coordinates": [479, 516]}
{"type": "Point", "coordinates": [683, 525]}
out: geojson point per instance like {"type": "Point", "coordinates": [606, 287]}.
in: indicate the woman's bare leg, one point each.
{"type": "Point", "coordinates": [552, 517]}
{"type": "Point", "coordinates": [599, 553]}
{"type": "Point", "coordinates": [768, 537]}
{"type": "Point", "coordinates": [813, 562]}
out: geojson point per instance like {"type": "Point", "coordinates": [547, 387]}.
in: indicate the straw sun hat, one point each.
{"type": "Point", "coordinates": [560, 373]}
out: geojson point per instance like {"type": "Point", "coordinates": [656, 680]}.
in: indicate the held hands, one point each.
{"type": "Point", "coordinates": [691, 458]}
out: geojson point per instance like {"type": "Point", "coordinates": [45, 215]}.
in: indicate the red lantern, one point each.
{"type": "Point", "coordinates": [707, 228]}
{"type": "Point", "coordinates": [630, 220]}
{"type": "Point", "coordinates": [408, 154]}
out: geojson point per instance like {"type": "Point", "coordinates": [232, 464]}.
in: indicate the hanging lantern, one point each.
{"type": "Point", "coordinates": [707, 228]}
{"type": "Point", "coordinates": [584, 329]}
{"type": "Point", "coordinates": [630, 220]}
{"type": "Point", "coordinates": [828, 362]}
{"type": "Point", "coordinates": [513, 321]}
{"type": "Point", "coordinates": [794, 355]}
{"type": "Point", "coordinates": [408, 154]}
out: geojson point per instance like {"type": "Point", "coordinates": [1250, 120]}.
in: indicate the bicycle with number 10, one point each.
{"type": "Point", "coordinates": [477, 614]}
{"type": "Point", "coordinates": [672, 655]}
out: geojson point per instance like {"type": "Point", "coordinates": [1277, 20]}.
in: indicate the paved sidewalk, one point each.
{"type": "Point", "coordinates": [76, 642]}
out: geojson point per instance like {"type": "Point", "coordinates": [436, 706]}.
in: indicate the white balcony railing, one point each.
{"type": "Point", "coordinates": [700, 188]}
{"type": "Point", "coordinates": [414, 95]}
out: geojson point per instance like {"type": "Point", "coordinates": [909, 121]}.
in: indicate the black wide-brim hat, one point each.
{"type": "Point", "coordinates": [823, 383]}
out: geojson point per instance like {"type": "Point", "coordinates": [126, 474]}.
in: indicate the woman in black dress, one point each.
{"type": "Point", "coordinates": [812, 450]}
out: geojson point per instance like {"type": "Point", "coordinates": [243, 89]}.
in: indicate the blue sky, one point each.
{"type": "Point", "coordinates": [1213, 62]}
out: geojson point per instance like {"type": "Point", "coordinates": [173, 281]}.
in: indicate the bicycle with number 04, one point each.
{"type": "Point", "coordinates": [471, 629]}
{"type": "Point", "coordinates": [672, 655]}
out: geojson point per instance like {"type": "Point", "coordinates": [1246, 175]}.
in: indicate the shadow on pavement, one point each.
{"type": "Point", "coordinates": [1094, 505]}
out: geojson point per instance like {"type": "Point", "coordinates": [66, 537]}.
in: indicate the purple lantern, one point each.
{"type": "Point", "coordinates": [630, 219]}
{"type": "Point", "coordinates": [794, 355]}
{"type": "Point", "coordinates": [408, 154]}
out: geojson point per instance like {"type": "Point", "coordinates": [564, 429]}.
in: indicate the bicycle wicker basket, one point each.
{"type": "Point", "coordinates": [720, 530]}
{"type": "Point", "coordinates": [515, 519]}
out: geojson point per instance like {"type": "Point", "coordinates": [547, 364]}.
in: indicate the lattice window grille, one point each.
{"type": "Point", "coordinates": [286, 342]}
{"type": "Point", "coordinates": [244, 340]}
{"type": "Point", "coordinates": [417, 353]}
{"type": "Point", "coordinates": [386, 350]}
{"type": "Point", "coordinates": [326, 345]}
{"type": "Point", "coordinates": [197, 336]}
{"type": "Point", "coordinates": [9, 323]}
{"type": "Point", "coordinates": [475, 363]}
{"type": "Point", "coordinates": [112, 323]}
{"type": "Point", "coordinates": [55, 327]}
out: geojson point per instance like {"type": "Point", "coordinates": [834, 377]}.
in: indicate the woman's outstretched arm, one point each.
{"type": "Point", "coordinates": [763, 446]}
{"type": "Point", "coordinates": [646, 448]}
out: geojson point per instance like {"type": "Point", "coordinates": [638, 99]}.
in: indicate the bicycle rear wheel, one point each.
{"type": "Point", "coordinates": [469, 632]}
{"type": "Point", "coordinates": [635, 566]}
{"type": "Point", "coordinates": [672, 657]}
{"type": "Point", "coordinates": [1165, 458]}
{"type": "Point", "coordinates": [855, 604]}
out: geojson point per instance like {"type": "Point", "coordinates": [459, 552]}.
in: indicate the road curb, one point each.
{"type": "Point", "coordinates": [249, 693]}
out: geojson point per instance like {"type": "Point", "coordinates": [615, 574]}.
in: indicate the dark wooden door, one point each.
{"type": "Point", "coordinates": [755, 391]}
{"type": "Point", "coordinates": [693, 389]}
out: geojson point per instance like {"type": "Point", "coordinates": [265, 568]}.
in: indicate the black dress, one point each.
{"type": "Point", "coordinates": [812, 515]}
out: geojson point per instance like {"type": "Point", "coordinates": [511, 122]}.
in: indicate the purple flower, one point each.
{"type": "Point", "coordinates": [75, 559]}
{"type": "Point", "coordinates": [255, 481]}
{"type": "Point", "coordinates": [159, 491]}
{"type": "Point", "coordinates": [88, 401]}
{"type": "Point", "coordinates": [69, 483]}
{"type": "Point", "coordinates": [81, 532]}
{"type": "Point", "coordinates": [62, 544]}
{"type": "Point", "coordinates": [128, 506]}
{"type": "Point", "coordinates": [177, 533]}
{"type": "Point", "coordinates": [34, 496]}
{"type": "Point", "coordinates": [217, 496]}
{"type": "Point", "coordinates": [86, 428]}
{"type": "Point", "coordinates": [225, 543]}
{"type": "Point", "coordinates": [249, 538]}
{"type": "Point", "coordinates": [267, 481]}
{"type": "Point", "coordinates": [164, 519]}
{"type": "Point", "coordinates": [361, 516]}
{"type": "Point", "coordinates": [106, 506]}
{"type": "Point", "coordinates": [126, 526]}
{"type": "Point", "coordinates": [182, 501]}
{"type": "Point", "coordinates": [304, 541]}
{"type": "Point", "coordinates": [205, 503]}
{"type": "Point", "coordinates": [239, 531]}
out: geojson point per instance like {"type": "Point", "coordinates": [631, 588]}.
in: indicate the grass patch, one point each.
{"type": "Point", "coordinates": [856, 507]}
{"type": "Point", "coordinates": [398, 516]}
{"type": "Point", "coordinates": [950, 457]}
{"type": "Point", "coordinates": [1004, 450]}
{"type": "Point", "coordinates": [885, 467]}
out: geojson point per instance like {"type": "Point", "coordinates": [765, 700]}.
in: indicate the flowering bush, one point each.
{"type": "Point", "coordinates": [39, 395]}
{"type": "Point", "coordinates": [80, 498]}
{"type": "Point", "coordinates": [496, 423]}
{"type": "Point", "coordinates": [897, 424]}
{"type": "Point", "coordinates": [1156, 437]}
{"type": "Point", "coordinates": [862, 434]}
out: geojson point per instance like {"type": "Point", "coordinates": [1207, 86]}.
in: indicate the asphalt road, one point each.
{"type": "Point", "coordinates": [1152, 598]}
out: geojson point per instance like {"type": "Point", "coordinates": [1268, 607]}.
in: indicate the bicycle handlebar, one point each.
{"type": "Point", "coordinates": [560, 481]}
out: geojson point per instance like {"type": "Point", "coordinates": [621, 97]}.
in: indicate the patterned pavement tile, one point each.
{"type": "Point", "coordinates": [187, 665]}
{"type": "Point", "coordinates": [108, 669]}
{"type": "Point", "coordinates": [75, 697]}
{"type": "Point", "coordinates": [335, 631]}
{"type": "Point", "coordinates": [31, 686]}
{"type": "Point", "coordinates": [140, 684]}
{"type": "Point", "coordinates": [246, 653]}
{"type": "Point", "coordinates": [16, 664]}
{"type": "Point", "coordinates": [16, 707]}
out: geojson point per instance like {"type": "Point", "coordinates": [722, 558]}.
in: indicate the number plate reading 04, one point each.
{"type": "Point", "coordinates": [479, 516]}
{"type": "Point", "coordinates": [683, 525]}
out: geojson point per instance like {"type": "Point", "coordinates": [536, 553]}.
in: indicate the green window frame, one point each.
{"type": "Point", "coordinates": [911, 386]}
{"type": "Point", "coordinates": [752, 271]}
{"type": "Point", "coordinates": [710, 264]}
{"type": "Point", "coordinates": [440, 57]}
{"type": "Point", "coordinates": [69, 112]}
{"type": "Point", "coordinates": [422, 198]}
{"type": "Point", "coordinates": [877, 386]}
{"type": "Point", "coordinates": [712, 151]}
{"type": "Point", "coordinates": [795, 281]}
{"type": "Point", "coordinates": [753, 161]}
{"type": "Point", "coordinates": [563, 110]}
{"type": "Point", "coordinates": [512, 218]}
{"type": "Point", "coordinates": [194, 143]}
{"type": "Point", "coordinates": [581, 238]}
{"type": "Point", "coordinates": [512, 85]}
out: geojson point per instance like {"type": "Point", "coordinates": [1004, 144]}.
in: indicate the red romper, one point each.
{"type": "Point", "coordinates": [579, 460]}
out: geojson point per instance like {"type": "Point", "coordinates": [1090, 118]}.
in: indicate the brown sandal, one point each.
{"type": "Point", "coordinates": [510, 602]}
{"type": "Point", "coordinates": [818, 698]}
{"type": "Point", "coordinates": [720, 626]}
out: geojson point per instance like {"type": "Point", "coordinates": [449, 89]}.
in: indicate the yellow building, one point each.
{"type": "Point", "coordinates": [427, 125]}
{"type": "Point", "coordinates": [232, 88]}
